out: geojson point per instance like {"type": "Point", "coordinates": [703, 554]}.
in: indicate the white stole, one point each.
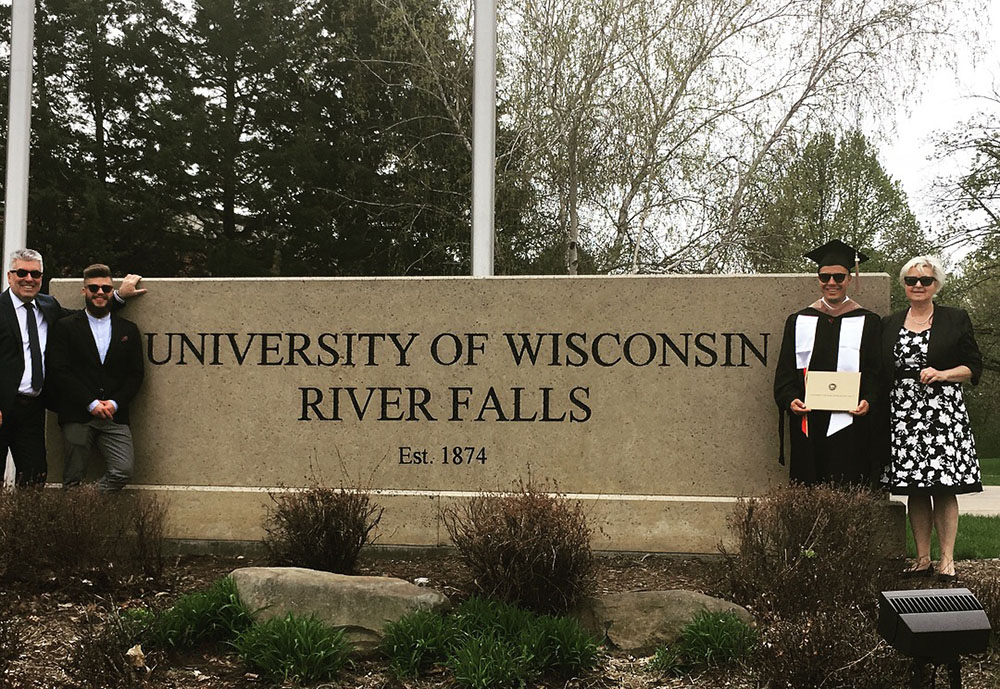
{"type": "Point", "coordinates": [848, 354]}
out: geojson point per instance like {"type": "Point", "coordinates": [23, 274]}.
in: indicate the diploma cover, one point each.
{"type": "Point", "coordinates": [833, 390]}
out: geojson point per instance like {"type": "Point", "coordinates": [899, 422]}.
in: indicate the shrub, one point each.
{"type": "Point", "coordinates": [216, 614]}
{"type": "Point", "coordinates": [100, 659]}
{"type": "Point", "coordinates": [711, 639]}
{"type": "Point", "coordinates": [80, 533]}
{"type": "Point", "coordinates": [300, 649]}
{"type": "Point", "coordinates": [320, 528]}
{"type": "Point", "coordinates": [830, 649]}
{"type": "Point", "coordinates": [415, 642]}
{"type": "Point", "coordinates": [808, 548]}
{"type": "Point", "coordinates": [528, 547]}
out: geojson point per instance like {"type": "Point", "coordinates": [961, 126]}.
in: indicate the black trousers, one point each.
{"type": "Point", "coordinates": [22, 430]}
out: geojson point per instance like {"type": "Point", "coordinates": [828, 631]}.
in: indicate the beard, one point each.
{"type": "Point", "coordinates": [99, 311]}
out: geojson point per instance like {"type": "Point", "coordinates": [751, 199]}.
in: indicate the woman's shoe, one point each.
{"type": "Point", "coordinates": [914, 572]}
{"type": "Point", "coordinates": [944, 577]}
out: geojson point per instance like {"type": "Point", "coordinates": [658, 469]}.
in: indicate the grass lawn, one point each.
{"type": "Point", "coordinates": [978, 538]}
{"type": "Point", "coordinates": [991, 471]}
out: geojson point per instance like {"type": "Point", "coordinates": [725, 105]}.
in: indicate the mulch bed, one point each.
{"type": "Point", "coordinates": [55, 613]}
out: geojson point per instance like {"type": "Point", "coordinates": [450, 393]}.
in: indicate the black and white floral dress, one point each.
{"type": "Point", "coordinates": [933, 450]}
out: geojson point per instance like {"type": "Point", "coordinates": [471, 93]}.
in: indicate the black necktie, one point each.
{"type": "Point", "coordinates": [35, 347]}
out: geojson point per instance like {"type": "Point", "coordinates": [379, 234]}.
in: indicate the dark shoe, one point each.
{"type": "Point", "coordinates": [947, 578]}
{"type": "Point", "coordinates": [927, 571]}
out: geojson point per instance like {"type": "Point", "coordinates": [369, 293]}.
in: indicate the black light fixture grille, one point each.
{"type": "Point", "coordinates": [940, 603]}
{"type": "Point", "coordinates": [934, 625]}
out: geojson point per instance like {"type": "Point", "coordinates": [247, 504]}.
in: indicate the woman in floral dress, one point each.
{"type": "Point", "coordinates": [929, 350]}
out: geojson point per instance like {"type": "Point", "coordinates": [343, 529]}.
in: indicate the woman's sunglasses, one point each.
{"type": "Point", "coordinates": [836, 277]}
{"type": "Point", "coordinates": [925, 280]}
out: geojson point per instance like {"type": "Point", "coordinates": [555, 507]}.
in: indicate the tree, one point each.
{"type": "Point", "coordinates": [652, 122]}
{"type": "Point", "coordinates": [831, 188]}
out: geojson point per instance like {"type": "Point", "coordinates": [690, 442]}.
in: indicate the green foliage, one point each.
{"type": "Point", "coordinates": [832, 187]}
{"type": "Point", "coordinates": [711, 639]}
{"type": "Point", "coordinates": [489, 643]}
{"type": "Point", "coordinates": [415, 642]}
{"type": "Point", "coordinates": [320, 528]}
{"type": "Point", "coordinates": [216, 614]}
{"type": "Point", "coordinates": [488, 661]}
{"type": "Point", "coordinates": [301, 649]}
{"type": "Point", "coordinates": [527, 547]}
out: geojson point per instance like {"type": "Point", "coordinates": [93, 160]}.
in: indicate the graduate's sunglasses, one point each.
{"type": "Point", "coordinates": [836, 277]}
{"type": "Point", "coordinates": [104, 288]}
{"type": "Point", "coordinates": [925, 280]}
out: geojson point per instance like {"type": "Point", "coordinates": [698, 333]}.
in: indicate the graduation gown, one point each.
{"type": "Point", "coordinates": [847, 456]}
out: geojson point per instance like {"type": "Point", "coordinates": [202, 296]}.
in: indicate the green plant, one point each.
{"type": "Point", "coordinates": [490, 661]}
{"type": "Point", "coordinates": [809, 548]}
{"type": "Point", "coordinates": [666, 661]}
{"type": "Point", "coordinates": [415, 642]}
{"type": "Point", "coordinates": [320, 528]}
{"type": "Point", "coordinates": [216, 614]}
{"type": "Point", "coordinates": [528, 547]}
{"type": "Point", "coordinates": [477, 615]}
{"type": "Point", "coordinates": [558, 646]}
{"type": "Point", "coordinates": [301, 649]}
{"type": "Point", "coordinates": [710, 639]}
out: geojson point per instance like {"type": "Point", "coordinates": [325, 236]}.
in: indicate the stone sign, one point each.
{"type": "Point", "coordinates": [648, 398]}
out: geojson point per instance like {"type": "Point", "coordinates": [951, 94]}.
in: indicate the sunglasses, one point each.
{"type": "Point", "coordinates": [836, 277]}
{"type": "Point", "coordinates": [103, 288]}
{"type": "Point", "coordinates": [22, 273]}
{"type": "Point", "coordinates": [925, 280]}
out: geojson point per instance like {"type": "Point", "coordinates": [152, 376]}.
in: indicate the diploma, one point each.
{"type": "Point", "coordinates": [833, 390]}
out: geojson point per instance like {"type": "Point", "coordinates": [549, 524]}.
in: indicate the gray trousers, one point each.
{"type": "Point", "coordinates": [114, 440]}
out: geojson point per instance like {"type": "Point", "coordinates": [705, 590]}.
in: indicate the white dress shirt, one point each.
{"type": "Point", "coordinates": [43, 335]}
{"type": "Point", "coordinates": [101, 330]}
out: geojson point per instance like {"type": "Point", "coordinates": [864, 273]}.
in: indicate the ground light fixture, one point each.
{"type": "Point", "coordinates": [933, 627]}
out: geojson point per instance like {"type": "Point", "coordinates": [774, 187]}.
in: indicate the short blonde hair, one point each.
{"type": "Point", "coordinates": [931, 262]}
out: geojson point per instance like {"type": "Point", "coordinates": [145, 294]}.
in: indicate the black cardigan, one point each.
{"type": "Point", "coordinates": [951, 344]}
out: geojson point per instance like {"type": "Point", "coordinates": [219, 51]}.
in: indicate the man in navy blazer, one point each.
{"type": "Point", "coordinates": [23, 393]}
{"type": "Point", "coordinates": [96, 363]}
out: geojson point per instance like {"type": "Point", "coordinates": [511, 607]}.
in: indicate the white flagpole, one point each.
{"type": "Point", "coordinates": [483, 135]}
{"type": "Point", "coordinates": [22, 30]}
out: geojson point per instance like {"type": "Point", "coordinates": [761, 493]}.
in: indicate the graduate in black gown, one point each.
{"type": "Point", "coordinates": [834, 333]}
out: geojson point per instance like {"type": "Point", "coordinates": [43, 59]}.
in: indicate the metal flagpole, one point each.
{"type": "Point", "coordinates": [22, 30]}
{"type": "Point", "coordinates": [483, 135]}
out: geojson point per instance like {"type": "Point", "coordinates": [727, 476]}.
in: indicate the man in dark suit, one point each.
{"type": "Point", "coordinates": [25, 318]}
{"type": "Point", "coordinates": [96, 363]}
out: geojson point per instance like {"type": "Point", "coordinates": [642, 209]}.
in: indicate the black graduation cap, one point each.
{"type": "Point", "coordinates": [836, 253]}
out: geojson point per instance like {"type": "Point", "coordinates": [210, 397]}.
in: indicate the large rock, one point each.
{"type": "Point", "coordinates": [361, 605]}
{"type": "Point", "coordinates": [641, 621]}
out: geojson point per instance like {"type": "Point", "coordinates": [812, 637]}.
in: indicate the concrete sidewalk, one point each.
{"type": "Point", "coordinates": [985, 504]}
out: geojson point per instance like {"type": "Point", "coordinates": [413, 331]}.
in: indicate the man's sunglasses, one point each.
{"type": "Point", "coordinates": [925, 280]}
{"type": "Point", "coordinates": [22, 273]}
{"type": "Point", "coordinates": [836, 277]}
{"type": "Point", "coordinates": [107, 289]}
